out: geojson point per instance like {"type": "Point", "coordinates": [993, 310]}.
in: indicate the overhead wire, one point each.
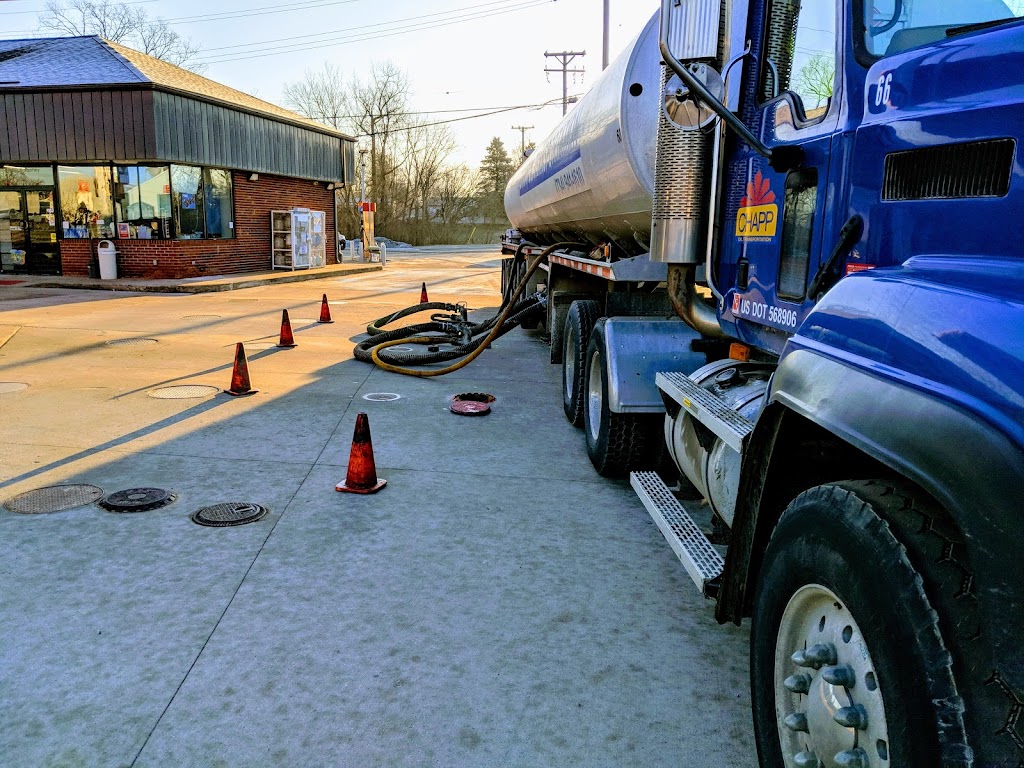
{"type": "Point", "coordinates": [417, 27]}
{"type": "Point", "coordinates": [364, 26]}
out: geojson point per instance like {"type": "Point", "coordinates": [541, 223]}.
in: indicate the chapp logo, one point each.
{"type": "Point", "coordinates": [758, 215]}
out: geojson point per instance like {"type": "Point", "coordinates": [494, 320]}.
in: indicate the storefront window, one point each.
{"type": "Point", "coordinates": [86, 207]}
{"type": "Point", "coordinates": [219, 208]}
{"type": "Point", "coordinates": [143, 202]}
{"type": "Point", "coordinates": [187, 195]}
{"type": "Point", "coordinates": [20, 176]}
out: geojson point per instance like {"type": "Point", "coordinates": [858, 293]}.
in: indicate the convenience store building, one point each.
{"type": "Point", "coordinates": [99, 141]}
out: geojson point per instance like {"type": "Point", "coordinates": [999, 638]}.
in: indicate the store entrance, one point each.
{"type": "Point", "coordinates": [28, 231]}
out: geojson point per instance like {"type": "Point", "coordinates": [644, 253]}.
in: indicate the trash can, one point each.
{"type": "Point", "coordinates": [108, 260]}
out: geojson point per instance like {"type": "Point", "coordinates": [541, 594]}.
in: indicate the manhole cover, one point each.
{"type": "Point", "coordinates": [233, 513]}
{"type": "Point", "coordinates": [382, 397]}
{"type": "Point", "coordinates": [130, 342]}
{"type": "Point", "coordinates": [201, 317]}
{"type": "Point", "coordinates": [53, 498]}
{"type": "Point", "coordinates": [6, 387]}
{"type": "Point", "coordinates": [305, 320]}
{"type": "Point", "coordinates": [401, 349]}
{"type": "Point", "coordinates": [137, 500]}
{"type": "Point", "coordinates": [184, 392]}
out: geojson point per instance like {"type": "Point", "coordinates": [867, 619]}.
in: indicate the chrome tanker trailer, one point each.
{"type": "Point", "coordinates": [779, 283]}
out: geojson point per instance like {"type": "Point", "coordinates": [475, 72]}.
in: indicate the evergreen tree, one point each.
{"type": "Point", "coordinates": [495, 171]}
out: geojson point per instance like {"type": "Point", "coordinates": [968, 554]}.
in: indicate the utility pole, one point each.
{"type": "Point", "coordinates": [604, 51]}
{"type": "Point", "coordinates": [522, 131]}
{"type": "Point", "coordinates": [564, 58]}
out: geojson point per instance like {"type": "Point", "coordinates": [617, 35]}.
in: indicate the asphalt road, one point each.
{"type": "Point", "coordinates": [497, 604]}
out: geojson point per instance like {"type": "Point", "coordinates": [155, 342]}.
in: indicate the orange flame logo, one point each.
{"type": "Point", "coordinates": [758, 192]}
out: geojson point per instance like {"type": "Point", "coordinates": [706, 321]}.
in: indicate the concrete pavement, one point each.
{"type": "Point", "coordinates": [498, 604]}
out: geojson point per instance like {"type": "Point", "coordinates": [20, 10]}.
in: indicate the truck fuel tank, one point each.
{"type": "Point", "coordinates": [592, 179]}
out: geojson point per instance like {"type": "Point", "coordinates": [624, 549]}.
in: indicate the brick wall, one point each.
{"type": "Point", "coordinates": [248, 251]}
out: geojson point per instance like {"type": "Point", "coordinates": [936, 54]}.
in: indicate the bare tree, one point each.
{"type": "Point", "coordinates": [816, 78]}
{"type": "Point", "coordinates": [157, 39]}
{"type": "Point", "coordinates": [455, 194]}
{"type": "Point", "coordinates": [321, 95]}
{"type": "Point", "coordinates": [121, 23]}
{"type": "Point", "coordinates": [380, 105]}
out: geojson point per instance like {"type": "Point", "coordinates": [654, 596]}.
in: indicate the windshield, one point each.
{"type": "Point", "coordinates": [898, 25]}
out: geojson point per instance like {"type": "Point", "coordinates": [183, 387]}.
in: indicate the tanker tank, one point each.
{"type": "Point", "coordinates": [592, 179]}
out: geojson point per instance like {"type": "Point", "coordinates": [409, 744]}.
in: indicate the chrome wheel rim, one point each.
{"type": "Point", "coordinates": [828, 699]}
{"type": "Point", "coordinates": [594, 396]}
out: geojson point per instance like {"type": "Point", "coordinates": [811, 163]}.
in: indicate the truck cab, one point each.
{"type": "Point", "coordinates": [862, 175]}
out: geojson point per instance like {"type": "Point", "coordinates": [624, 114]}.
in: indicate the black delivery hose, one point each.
{"type": "Point", "coordinates": [511, 315]}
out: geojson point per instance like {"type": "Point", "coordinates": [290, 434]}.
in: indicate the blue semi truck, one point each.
{"type": "Point", "coordinates": [826, 199]}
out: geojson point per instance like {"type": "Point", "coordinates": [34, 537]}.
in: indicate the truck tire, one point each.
{"type": "Point", "coordinates": [617, 443]}
{"type": "Point", "coordinates": [578, 325]}
{"type": "Point", "coordinates": [856, 634]}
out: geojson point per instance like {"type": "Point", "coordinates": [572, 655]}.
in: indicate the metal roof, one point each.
{"type": "Point", "coordinates": [93, 62]}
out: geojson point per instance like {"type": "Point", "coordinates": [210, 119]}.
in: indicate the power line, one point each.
{"type": "Point", "coordinates": [496, 111]}
{"type": "Point", "coordinates": [364, 26]}
{"type": "Point", "coordinates": [274, 50]}
{"type": "Point", "coordinates": [22, 13]}
{"type": "Point", "coordinates": [263, 10]}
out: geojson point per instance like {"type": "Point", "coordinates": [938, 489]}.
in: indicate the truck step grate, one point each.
{"type": "Point", "coordinates": [707, 408]}
{"type": "Point", "coordinates": [688, 541]}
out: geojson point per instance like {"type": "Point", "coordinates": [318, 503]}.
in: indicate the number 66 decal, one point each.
{"type": "Point", "coordinates": [883, 89]}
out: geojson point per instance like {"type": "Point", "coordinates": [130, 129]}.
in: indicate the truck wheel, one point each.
{"type": "Point", "coordinates": [616, 442]}
{"type": "Point", "coordinates": [849, 665]}
{"type": "Point", "coordinates": [579, 322]}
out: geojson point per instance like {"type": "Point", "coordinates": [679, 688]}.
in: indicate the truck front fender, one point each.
{"type": "Point", "coordinates": [974, 470]}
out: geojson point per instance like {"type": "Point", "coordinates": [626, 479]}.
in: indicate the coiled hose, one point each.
{"type": "Point", "coordinates": [513, 313]}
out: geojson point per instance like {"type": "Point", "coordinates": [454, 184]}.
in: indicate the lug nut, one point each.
{"type": "Point", "coordinates": [806, 760]}
{"type": "Point", "coordinates": [842, 675]}
{"type": "Point", "coordinates": [816, 656]}
{"type": "Point", "coordinates": [798, 683]}
{"type": "Point", "coordinates": [852, 758]}
{"type": "Point", "coordinates": [852, 717]}
{"type": "Point", "coordinates": [796, 722]}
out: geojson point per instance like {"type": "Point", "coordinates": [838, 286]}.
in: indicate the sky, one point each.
{"type": "Point", "coordinates": [474, 55]}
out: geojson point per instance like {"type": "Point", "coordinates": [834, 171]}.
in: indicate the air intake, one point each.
{"type": "Point", "coordinates": [977, 169]}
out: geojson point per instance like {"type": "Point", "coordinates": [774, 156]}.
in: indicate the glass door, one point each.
{"type": "Point", "coordinates": [12, 231]}
{"type": "Point", "coordinates": [43, 256]}
{"type": "Point", "coordinates": [28, 232]}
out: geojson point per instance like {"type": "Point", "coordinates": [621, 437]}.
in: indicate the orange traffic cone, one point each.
{"type": "Point", "coordinates": [423, 294]}
{"type": "Point", "coordinates": [240, 374]}
{"type": "Point", "coordinates": [287, 340]}
{"type": "Point", "coordinates": [362, 472]}
{"type": "Point", "coordinates": [325, 311]}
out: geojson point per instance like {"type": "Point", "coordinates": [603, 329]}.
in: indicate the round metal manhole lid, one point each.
{"type": "Point", "coordinates": [382, 397]}
{"type": "Point", "coordinates": [7, 387]}
{"type": "Point", "coordinates": [201, 317]}
{"type": "Point", "coordinates": [470, 408]}
{"type": "Point", "coordinates": [184, 392]}
{"type": "Point", "coordinates": [231, 513]}
{"type": "Point", "coordinates": [131, 342]}
{"type": "Point", "coordinates": [401, 349]}
{"type": "Point", "coordinates": [137, 500]}
{"type": "Point", "coordinates": [53, 498]}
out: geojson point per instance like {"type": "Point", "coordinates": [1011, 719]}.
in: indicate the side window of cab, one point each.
{"type": "Point", "coordinates": [798, 55]}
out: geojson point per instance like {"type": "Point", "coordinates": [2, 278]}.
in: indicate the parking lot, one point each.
{"type": "Point", "coordinates": [497, 604]}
